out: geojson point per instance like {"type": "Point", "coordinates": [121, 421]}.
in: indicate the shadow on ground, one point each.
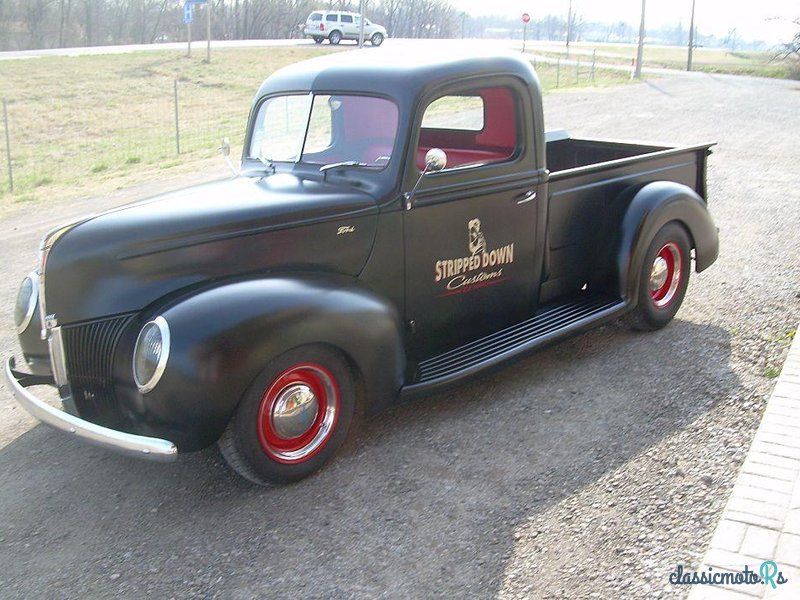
{"type": "Point", "coordinates": [423, 502]}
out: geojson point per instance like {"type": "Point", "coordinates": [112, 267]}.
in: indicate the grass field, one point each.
{"type": "Point", "coordinates": [709, 60]}
{"type": "Point", "coordinates": [90, 124]}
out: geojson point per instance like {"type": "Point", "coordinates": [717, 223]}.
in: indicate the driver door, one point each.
{"type": "Point", "coordinates": [470, 237]}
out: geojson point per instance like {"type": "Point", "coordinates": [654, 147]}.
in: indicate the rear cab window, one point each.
{"type": "Point", "coordinates": [315, 17]}
{"type": "Point", "coordinates": [474, 127]}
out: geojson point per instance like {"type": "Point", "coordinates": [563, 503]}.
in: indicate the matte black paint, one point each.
{"type": "Point", "coordinates": [222, 337]}
{"type": "Point", "coordinates": [246, 269]}
{"type": "Point", "coordinates": [128, 258]}
{"type": "Point", "coordinates": [655, 205]}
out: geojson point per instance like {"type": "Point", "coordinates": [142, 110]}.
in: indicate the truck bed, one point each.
{"type": "Point", "coordinates": [564, 153]}
{"type": "Point", "coordinates": [586, 201]}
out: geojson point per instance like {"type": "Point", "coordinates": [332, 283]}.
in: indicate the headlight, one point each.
{"type": "Point", "coordinates": [150, 354]}
{"type": "Point", "coordinates": [26, 302]}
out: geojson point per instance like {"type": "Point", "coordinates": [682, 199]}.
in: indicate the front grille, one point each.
{"type": "Point", "coordinates": [89, 349]}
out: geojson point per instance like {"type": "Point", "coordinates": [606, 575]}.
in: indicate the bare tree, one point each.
{"type": "Point", "coordinates": [36, 15]}
{"type": "Point", "coordinates": [791, 49]}
{"type": "Point", "coordinates": [28, 24]}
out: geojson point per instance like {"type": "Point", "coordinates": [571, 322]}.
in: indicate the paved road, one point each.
{"type": "Point", "coordinates": [415, 45]}
{"type": "Point", "coordinates": [200, 46]}
{"type": "Point", "coordinates": [592, 467]}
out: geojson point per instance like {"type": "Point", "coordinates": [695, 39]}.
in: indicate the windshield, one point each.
{"type": "Point", "coordinates": [324, 129]}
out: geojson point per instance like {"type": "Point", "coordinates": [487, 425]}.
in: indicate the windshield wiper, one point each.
{"type": "Point", "coordinates": [345, 163]}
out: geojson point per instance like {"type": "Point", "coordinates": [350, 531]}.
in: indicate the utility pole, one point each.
{"type": "Point", "coordinates": [640, 49]}
{"type": "Point", "coordinates": [691, 40]}
{"type": "Point", "coordinates": [361, 24]}
{"type": "Point", "coordinates": [208, 31]}
{"type": "Point", "coordinates": [569, 24]}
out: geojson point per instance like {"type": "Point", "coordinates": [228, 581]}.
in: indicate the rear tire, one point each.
{"type": "Point", "coordinates": [377, 39]}
{"type": "Point", "coordinates": [317, 39]}
{"type": "Point", "coordinates": [335, 37]}
{"type": "Point", "coordinates": [663, 279]}
{"type": "Point", "coordinates": [292, 418]}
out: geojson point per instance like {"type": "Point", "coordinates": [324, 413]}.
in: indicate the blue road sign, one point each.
{"type": "Point", "coordinates": [187, 12]}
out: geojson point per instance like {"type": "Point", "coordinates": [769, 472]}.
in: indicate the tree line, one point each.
{"type": "Point", "coordinates": [29, 24]}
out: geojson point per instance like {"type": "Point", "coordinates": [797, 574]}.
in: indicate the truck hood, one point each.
{"type": "Point", "coordinates": [128, 258]}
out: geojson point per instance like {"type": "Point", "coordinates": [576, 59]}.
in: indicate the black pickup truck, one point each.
{"type": "Point", "coordinates": [396, 226]}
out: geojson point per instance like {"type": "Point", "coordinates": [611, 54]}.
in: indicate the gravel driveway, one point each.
{"type": "Point", "coordinates": [590, 469]}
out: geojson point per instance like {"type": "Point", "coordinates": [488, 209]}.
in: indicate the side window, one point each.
{"type": "Point", "coordinates": [455, 112]}
{"type": "Point", "coordinates": [347, 19]}
{"type": "Point", "coordinates": [474, 127]}
{"type": "Point", "coordinates": [331, 18]}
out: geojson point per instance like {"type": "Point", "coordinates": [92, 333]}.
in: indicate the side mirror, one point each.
{"type": "Point", "coordinates": [225, 150]}
{"type": "Point", "coordinates": [435, 160]}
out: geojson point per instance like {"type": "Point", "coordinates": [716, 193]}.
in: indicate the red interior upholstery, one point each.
{"type": "Point", "coordinates": [494, 143]}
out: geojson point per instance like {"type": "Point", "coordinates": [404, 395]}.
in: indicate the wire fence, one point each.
{"type": "Point", "coordinates": [67, 139]}
{"type": "Point", "coordinates": [101, 130]}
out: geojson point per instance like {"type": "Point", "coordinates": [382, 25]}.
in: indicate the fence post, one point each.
{"type": "Point", "coordinates": [177, 127]}
{"type": "Point", "coordinates": [577, 69]}
{"type": "Point", "coordinates": [8, 147]}
{"type": "Point", "coordinates": [558, 71]}
{"type": "Point", "coordinates": [594, 59]}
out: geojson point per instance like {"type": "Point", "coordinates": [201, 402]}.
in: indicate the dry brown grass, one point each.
{"type": "Point", "coordinates": [89, 124]}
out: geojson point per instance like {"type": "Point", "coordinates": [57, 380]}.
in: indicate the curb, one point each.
{"type": "Point", "coordinates": [761, 521]}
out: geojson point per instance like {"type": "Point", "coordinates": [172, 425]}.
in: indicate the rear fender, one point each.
{"type": "Point", "coordinates": [650, 208]}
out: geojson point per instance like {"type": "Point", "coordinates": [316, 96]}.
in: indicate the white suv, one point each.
{"type": "Point", "coordinates": [336, 26]}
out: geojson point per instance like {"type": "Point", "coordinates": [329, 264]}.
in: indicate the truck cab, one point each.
{"type": "Point", "coordinates": [396, 226]}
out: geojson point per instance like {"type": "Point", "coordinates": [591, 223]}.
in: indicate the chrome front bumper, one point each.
{"type": "Point", "coordinates": [126, 443]}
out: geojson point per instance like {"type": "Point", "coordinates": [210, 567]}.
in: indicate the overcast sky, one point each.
{"type": "Point", "coordinates": [753, 19]}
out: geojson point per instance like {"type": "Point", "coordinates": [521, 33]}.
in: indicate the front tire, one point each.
{"type": "Point", "coordinates": [663, 279]}
{"type": "Point", "coordinates": [377, 39]}
{"type": "Point", "coordinates": [293, 417]}
{"type": "Point", "coordinates": [335, 38]}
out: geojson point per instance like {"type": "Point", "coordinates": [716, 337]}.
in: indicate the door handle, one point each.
{"type": "Point", "coordinates": [526, 197]}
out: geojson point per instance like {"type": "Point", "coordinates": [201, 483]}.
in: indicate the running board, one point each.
{"type": "Point", "coordinates": [550, 324]}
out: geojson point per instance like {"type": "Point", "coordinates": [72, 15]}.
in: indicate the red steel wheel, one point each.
{"type": "Point", "coordinates": [293, 416]}
{"type": "Point", "coordinates": [663, 279]}
{"type": "Point", "coordinates": [298, 413]}
{"type": "Point", "coordinates": [665, 274]}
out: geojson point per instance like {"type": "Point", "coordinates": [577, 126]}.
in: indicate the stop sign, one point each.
{"type": "Point", "coordinates": [525, 17]}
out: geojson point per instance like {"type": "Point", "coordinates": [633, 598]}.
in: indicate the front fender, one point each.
{"type": "Point", "coordinates": [222, 337]}
{"type": "Point", "coordinates": [651, 207]}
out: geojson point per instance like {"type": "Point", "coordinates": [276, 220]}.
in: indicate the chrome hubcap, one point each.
{"type": "Point", "coordinates": [294, 411]}
{"type": "Point", "coordinates": [658, 276]}
{"type": "Point", "coordinates": [298, 413]}
{"type": "Point", "coordinates": [665, 275]}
